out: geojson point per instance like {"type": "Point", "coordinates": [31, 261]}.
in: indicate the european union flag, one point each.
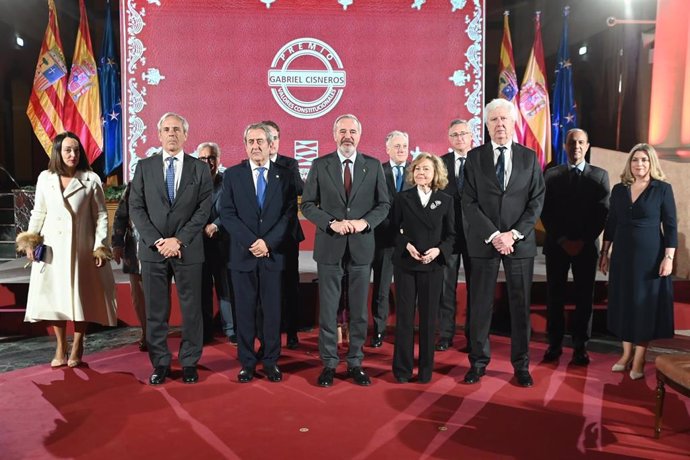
{"type": "Point", "coordinates": [563, 113]}
{"type": "Point", "coordinates": [111, 99]}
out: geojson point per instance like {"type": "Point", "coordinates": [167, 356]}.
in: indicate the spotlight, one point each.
{"type": "Point", "coordinates": [583, 50]}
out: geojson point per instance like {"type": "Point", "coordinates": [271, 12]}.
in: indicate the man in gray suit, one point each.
{"type": "Point", "coordinates": [502, 198]}
{"type": "Point", "coordinates": [169, 204]}
{"type": "Point", "coordinates": [345, 196]}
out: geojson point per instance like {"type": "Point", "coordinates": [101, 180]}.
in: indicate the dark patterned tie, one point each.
{"type": "Point", "coordinates": [347, 177]}
{"type": "Point", "coordinates": [460, 177]}
{"type": "Point", "coordinates": [501, 167]}
{"type": "Point", "coordinates": [399, 178]}
{"type": "Point", "coordinates": [260, 187]}
{"type": "Point", "coordinates": [170, 179]}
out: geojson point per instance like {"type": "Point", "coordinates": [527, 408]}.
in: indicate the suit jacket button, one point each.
{"type": "Point", "coordinates": [348, 209]}
{"type": "Point", "coordinates": [261, 220]}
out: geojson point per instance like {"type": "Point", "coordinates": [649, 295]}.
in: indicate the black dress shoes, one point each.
{"type": "Point", "coordinates": [524, 379]}
{"type": "Point", "coordinates": [359, 376]}
{"type": "Point", "coordinates": [245, 375]}
{"type": "Point", "coordinates": [401, 379]}
{"type": "Point", "coordinates": [580, 357]}
{"type": "Point", "coordinates": [444, 344]}
{"type": "Point", "coordinates": [190, 375]}
{"type": "Point", "coordinates": [292, 342]}
{"type": "Point", "coordinates": [552, 354]}
{"type": "Point", "coordinates": [160, 373]}
{"type": "Point", "coordinates": [326, 377]}
{"type": "Point", "coordinates": [273, 373]}
{"type": "Point", "coordinates": [377, 340]}
{"type": "Point", "coordinates": [233, 339]}
{"type": "Point", "coordinates": [474, 375]}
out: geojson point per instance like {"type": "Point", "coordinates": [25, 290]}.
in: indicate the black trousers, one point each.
{"type": "Point", "coordinates": [421, 289]}
{"type": "Point", "coordinates": [157, 278]}
{"type": "Point", "coordinates": [519, 283]}
{"type": "Point", "coordinates": [584, 266]}
{"type": "Point", "coordinates": [291, 297]}
{"type": "Point", "coordinates": [449, 298]}
{"type": "Point", "coordinates": [382, 266]}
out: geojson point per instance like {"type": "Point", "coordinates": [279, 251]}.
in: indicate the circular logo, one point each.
{"type": "Point", "coordinates": [307, 78]}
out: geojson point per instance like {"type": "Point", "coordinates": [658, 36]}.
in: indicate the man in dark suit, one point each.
{"type": "Point", "coordinates": [291, 299]}
{"type": "Point", "coordinates": [397, 148]}
{"type": "Point", "coordinates": [257, 205]}
{"type": "Point", "coordinates": [575, 209]}
{"type": "Point", "coordinates": [502, 198]}
{"type": "Point", "coordinates": [216, 253]}
{"type": "Point", "coordinates": [460, 137]}
{"type": "Point", "coordinates": [169, 204]}
{"type": "Point", "coordinates": [345, 196]}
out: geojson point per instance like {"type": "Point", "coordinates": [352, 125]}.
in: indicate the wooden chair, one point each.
{"type": "Point", "coordinates": [672, 370]}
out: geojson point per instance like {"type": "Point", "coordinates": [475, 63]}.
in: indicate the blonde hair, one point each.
{"type": "Point", "coordinates": [655, 171]}
{"type": "Point", "coordinates": [440, 172]}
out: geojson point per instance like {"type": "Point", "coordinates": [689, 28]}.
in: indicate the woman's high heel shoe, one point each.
{"type": "Point", "coordinates": [80, 352]}
{"type": "Point", "coordinates": [636, 375]}
{"type": "Point", "coordinates": [55, 363]}
{"type": "Point", "coordinates": [621, 367]}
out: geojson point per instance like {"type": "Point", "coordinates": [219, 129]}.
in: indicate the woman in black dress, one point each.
{"type": "Point", "coordinates": [642, 236]}
{"type": "Point", "coordinates": [425, 217]}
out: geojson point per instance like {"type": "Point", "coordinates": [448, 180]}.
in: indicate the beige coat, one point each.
{"type": "Point", "coordinates": [67, 285]}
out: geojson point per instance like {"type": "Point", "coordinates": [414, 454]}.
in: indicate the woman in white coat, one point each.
{"type": "Point", "coordinates": [73, 280]}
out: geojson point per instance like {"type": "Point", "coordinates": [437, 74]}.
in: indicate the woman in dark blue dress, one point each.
{"type": "Point", "coordinates": [642, 236]}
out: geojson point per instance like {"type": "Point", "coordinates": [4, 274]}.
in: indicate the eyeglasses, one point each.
{"type": "Point", "coordinates": [207, 159]}
{"type": "Point", "coordinates": [461, 133]}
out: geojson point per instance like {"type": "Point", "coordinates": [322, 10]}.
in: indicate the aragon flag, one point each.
{"type": "Point", "coordinates": [46, 109]}
{"type": "Point", "coordinates": [507, 78]}
{"type": "Point", "coordinates": [83, 101]}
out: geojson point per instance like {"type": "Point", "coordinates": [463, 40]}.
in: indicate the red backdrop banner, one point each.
{"type": "Point", "coordinates": [406, 65]}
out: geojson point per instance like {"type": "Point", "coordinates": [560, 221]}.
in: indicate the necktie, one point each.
{"type": "Point", "coordinates": [170, 179]}
{"type": "Point", "coordinates": [501, 167]}
{"type": "Point", "coordinates": [399, 178]}
{"type": "Point", "coordinates": [460, 177]}
{"type": "Point", "coordinates": [574, 176]}
{"type": "Point", "coordinates": [260, 187]}
{"type": "Point", "coordinates": [347, 177]}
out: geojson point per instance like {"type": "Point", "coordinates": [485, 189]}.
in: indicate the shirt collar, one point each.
{"type": "Point", "coordinates": [343, 158]}
{"type": "Point", "coordinates": [580, 166]}
{"type": "Point", "coordinates": [508, 146]}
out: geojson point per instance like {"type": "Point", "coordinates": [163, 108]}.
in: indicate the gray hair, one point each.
{"type": "Point", "coordinates": [503, 104]}
{"type": "Point", "coordinates": [394, 133]}
{"type": "Point", "coordinates": [458, 121]}
{"type": "Point", "coordinates": [212, 146]}
{"type": "Point", "coordinates": [261, 126]}
{"type": "Point", "coordinates": [183, 120]}
{"type": "Point", "coordinates": [350, 116]}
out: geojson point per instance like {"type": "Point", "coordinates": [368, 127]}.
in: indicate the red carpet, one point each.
{"type": "Point", "coordinates": [105, 410]}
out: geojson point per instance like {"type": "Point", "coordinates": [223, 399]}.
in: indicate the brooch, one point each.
{"type": "Point", "coordinates": [435, 204]}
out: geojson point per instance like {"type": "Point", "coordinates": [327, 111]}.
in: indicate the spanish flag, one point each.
{"type": "Point", "coordinates": [83, 102]}
{"type": "Point", "coordinates": [45, 109]}
{"type": "Point", "coordinates": [534, 100]}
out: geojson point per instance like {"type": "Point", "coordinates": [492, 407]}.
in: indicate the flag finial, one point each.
{"type": "Point", "coordinates": [566, 10]}
{"type": "Point", "coordinates": [506, 13]}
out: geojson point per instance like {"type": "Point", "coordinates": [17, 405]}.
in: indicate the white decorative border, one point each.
{"type": "Point", "coordinates": [471, 78]}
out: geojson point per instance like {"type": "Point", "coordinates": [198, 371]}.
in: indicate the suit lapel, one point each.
{"type": "Point", "coordinates": [76, 184]}
{"type": "Point", "coordinates": [360, 171]}
{"type": "Point", "coordinates": [334, 170]}
{"type": "Point", "coordinates": [186, 175]}
{"type": "Point", "coordinates": [415, 204]}
{"type": "Point", "coordinates": [272, 186]}
{"type": "Point", "coordinates": [248, 184]}
{"type": "Point", "coordinates": [486, 160]}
